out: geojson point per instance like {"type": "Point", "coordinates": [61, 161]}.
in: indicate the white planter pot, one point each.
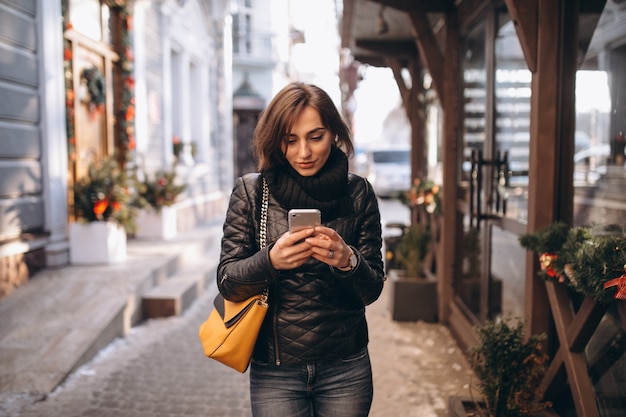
{"type": "Point", "coordinates": [154, 224]}
{"type": "Point", "coordinates": [97, 243]}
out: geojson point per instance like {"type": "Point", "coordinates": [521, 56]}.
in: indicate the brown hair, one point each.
{"type": "Point", "coordinates": [280, 115]}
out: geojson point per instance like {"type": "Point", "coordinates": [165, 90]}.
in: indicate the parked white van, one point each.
{"type": "Point", "coordinates": [389, 170]}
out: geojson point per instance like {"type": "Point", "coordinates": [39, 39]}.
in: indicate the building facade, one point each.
{"type": "Point", "coordinates": [85, 79]}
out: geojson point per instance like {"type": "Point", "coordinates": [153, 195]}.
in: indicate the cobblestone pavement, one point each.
{"type": "Point", "coordinates": [158, 369]}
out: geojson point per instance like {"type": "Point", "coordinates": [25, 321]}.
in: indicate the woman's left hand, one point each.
{"type": "Point", "coordinates": [328, 247]}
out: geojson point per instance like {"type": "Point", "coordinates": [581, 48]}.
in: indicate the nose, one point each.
{"type": "Point", "coordinates": [304, 151]}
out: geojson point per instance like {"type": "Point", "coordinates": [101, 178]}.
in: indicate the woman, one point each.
{"type": "Point", "coordinates": [311, 356]}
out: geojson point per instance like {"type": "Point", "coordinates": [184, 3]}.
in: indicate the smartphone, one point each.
{"type": "Point", "coordinates": [303, 218]}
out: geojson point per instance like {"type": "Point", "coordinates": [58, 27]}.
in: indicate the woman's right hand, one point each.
{"type": "Point", "coordinates": [290, 250]}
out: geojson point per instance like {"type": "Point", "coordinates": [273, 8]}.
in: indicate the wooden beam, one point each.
{"type": "Point", "coordinates": [415, 108]}
{"type": "Point", "coordinates": [582, 327]}
{"type": "Point", "coordinates": [428, 6]}
{"type": "Point", "coordinates": [347, 20]}
{"type": "Point", "coordinates": [430, 52]}
{"type": "Point", "coordinates": [451, 101]}
{"type": "Point", "coordinates": [405, 48]}
{"type": "Point", "coordinates": [396, 68]}
{"type": "Point", "coordinates": [575, 362]}
{"type": "Point", "coordinates": [373, 60]}
{"type": "Point", "coordinates": [525, 15]}
{"type": "Point", "coordinates": [469, 12]}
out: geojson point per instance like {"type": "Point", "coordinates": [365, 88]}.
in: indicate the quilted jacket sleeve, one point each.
{"type": "Point", "coordinates": [243, 270]}
{"type": "Point", "coordinates": [368, 277]}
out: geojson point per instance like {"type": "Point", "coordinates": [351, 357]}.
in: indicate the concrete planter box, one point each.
{"type": "Point", "coordinates": [161, 224]}
{"type": "Point", "coordinates": [413, 298]}
{"type": "Point", "coordinates": [97, 243]}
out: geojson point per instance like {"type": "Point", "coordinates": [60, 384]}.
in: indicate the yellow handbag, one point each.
{"type": "Point", "coordinates": [230, 332]}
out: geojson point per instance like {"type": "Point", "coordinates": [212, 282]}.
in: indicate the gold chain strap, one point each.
{"type": "Point", "coordinates": [263, 231]}
{"type": "Point", "coordinates": [264, 205]}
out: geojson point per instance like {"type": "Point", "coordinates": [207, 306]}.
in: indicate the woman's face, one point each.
{"type": "Point", "coordinates": [307, 147]}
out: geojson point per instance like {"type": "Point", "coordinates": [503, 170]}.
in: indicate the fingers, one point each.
{"type": "Point", "coordinates": [328, 247]}
{"type": "Point", "coordinates": [322, 243]}
{"type": "Point", "coordinates": [291, 250]}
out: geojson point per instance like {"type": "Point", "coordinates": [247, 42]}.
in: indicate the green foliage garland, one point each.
{"type": "Point", "coordinates": [580, 258]}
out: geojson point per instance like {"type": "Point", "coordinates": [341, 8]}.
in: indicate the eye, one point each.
{"type": "Point", "coordinates": [317, 135]}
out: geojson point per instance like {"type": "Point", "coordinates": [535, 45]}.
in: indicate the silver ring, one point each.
{"type": "Point", "coordinates": [331, 253]}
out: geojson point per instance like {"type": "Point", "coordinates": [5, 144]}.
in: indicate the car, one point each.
{"type": "Point", "coordinates": [590, 164]}
{"type": "Point", "coordinates": [389, 170]}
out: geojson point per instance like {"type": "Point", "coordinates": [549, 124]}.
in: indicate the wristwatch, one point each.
{"type": "Point", "coordinates": [353, 262]}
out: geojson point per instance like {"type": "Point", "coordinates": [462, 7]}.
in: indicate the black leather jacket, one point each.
{"type": "Point", "coordinates": [316, 312]}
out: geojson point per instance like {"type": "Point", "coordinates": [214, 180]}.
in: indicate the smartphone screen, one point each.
{"type": "Point", "coordinates": [303, 218]}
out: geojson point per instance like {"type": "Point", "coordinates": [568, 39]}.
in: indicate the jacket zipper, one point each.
{"type": "Point", "coordinates": [275, 324]}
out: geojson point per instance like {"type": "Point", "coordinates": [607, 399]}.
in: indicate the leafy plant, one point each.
{"type": "Point", "coordinates": [103, 195]}
{"type": "Point", "coordinates": [412, 248]}
{"type": "Point", "coordinates": [159, 190]}
{"type": "Point", "coordinates": [509, 369]}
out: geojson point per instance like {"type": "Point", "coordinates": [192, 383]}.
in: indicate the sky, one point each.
{"type": "Point", "coordinates": [377, 95]}
{"type": "Point", "coordinates": [317, 60]}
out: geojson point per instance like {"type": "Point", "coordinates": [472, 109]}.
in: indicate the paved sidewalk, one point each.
{"type": "Point", "coordinates": [158, 367]}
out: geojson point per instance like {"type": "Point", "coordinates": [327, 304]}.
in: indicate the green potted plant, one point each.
{"type": "Point", "coordinates": [413, 289]}
{"type": "Point", "coordinates": [156, 195]}
{"type": "Point", "coordinates": [103, 214]}
{"type": "Point", "coordinates": [509, 368]}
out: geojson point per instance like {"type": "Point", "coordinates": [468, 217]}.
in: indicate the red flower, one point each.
{"type": "Point", "coordinates": [67, 54]}
{"type": "Point", "coordinates": [162, 182]}
{"type": "Point", "coordinates": [116, 205]}
{"type": "Point", "coordinates": [129, 22]}
{"type": "Point", "coordinates": [129, 82]}
{"type": "Point", "coordinates": [100, 206]}
{"type": "Point", "coordinates": [130, 113]}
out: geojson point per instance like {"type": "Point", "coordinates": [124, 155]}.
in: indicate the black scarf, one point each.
{"type": "Point", "coordinates": [327, 190]}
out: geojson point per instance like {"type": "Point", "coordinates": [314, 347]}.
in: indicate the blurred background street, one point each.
{"type": "Point", "coordinates": [159, 369]}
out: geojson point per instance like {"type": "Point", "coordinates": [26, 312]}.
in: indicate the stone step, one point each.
{"type": "Point", "coordinates": [173, 296]}
{"type": "Point", "coordinates": [74, 312]}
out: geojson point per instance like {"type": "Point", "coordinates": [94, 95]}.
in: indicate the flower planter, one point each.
{"type": "Point", "coordinates": [97, 243]}
{"type": "Point", "coordinates": [153, 224]}
{"type": "Point", "coordinates": [413, 298]}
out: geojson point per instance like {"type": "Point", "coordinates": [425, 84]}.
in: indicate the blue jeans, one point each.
{"type": "Point", "coordinates": [338, 388]}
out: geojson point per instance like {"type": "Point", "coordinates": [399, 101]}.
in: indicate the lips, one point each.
{"type": "Point", "coordinates": [306, 165]}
